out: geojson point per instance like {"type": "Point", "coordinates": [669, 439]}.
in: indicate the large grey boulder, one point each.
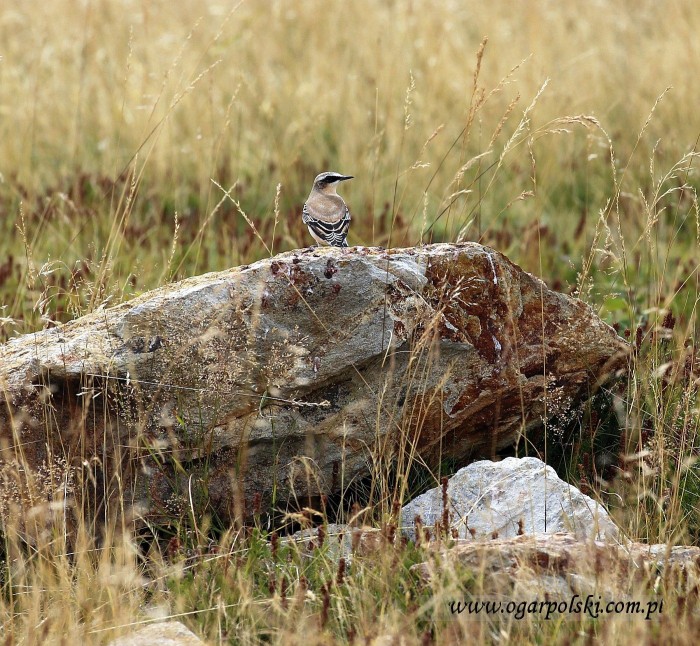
{"type": "Point", "coordinates": [506, 499]}
{"type": "Point", "coordinates": [241, 390]}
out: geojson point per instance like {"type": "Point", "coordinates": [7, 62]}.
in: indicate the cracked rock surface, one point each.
{"type": "Point", "coordinates": [280, 381]}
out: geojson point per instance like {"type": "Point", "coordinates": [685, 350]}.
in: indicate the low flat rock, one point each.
{"type": "Point", "coordinates": [239, 391]}
{"type": "Point", "coordinates": [562, 568]}
{"type": "Point", "coordinates": [162, 633]}
{"type": "Point", "coordinates": [508, 498]}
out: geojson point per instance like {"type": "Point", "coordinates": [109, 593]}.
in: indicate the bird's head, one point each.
{"type": "Point", "coordinates": [328, 182]}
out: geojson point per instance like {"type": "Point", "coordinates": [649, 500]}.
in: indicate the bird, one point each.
{"type": "Point", "coordinates": [325, 212]}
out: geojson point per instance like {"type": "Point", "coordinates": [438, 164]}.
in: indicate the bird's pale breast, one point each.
{"type": "Point", "coordinates": [327, 208]}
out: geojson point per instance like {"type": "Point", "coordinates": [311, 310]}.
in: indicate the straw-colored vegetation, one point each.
{"type": "Point", "coordinates": [563, 134]}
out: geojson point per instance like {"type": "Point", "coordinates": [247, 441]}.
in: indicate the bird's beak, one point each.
{"type": "Point", "coordinates": [344, 177]}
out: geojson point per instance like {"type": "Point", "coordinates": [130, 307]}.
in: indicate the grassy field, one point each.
{"type": "Point", "coordinates": [564, 134]}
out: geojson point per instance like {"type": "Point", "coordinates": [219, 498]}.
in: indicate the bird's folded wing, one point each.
{"type": "Point", "coordinates": [332, 232]}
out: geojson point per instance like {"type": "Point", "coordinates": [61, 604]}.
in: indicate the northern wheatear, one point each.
{"type": "Point", "coordinates": [325, 212]}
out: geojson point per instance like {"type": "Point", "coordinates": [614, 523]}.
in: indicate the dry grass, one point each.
{"type": "Point", "coordinates": [555, 141]}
